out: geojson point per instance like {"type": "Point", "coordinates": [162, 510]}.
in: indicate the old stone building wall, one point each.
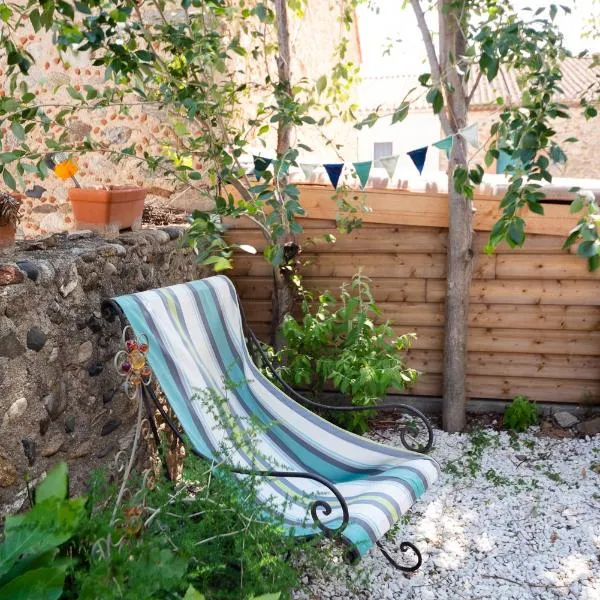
{"type": "Point", "coordinates": [60, 396]}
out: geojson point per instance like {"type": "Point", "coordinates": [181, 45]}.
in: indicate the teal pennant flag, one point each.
{"type": "Point", "coordinates": [334, 170]}
{"type": "Point", "coordinates": [446, 145]}
{"type": "Point", "coordinates": [363, 169]}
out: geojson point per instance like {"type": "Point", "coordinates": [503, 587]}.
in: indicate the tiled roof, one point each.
{"type": "Point", "coordinates": [389, 91]}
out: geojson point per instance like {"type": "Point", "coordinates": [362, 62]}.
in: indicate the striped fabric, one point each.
{"type": "Point", "coordinates": [196, 346]}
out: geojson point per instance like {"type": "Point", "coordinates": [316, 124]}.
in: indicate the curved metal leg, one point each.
{"type": "Point", "coordinates": [404, 546]}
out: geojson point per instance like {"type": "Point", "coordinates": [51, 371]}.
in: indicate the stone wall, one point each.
{"type": "Point", "coordinates": [60, 397]}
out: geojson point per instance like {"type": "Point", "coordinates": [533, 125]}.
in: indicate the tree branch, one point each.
{"type": "Point", "coordinates": [474, 88]}
{"type": "Point", "coordinates": [434, 64]}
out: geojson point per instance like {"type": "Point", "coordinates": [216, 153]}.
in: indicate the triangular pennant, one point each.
{"type": "Point", "coordinates": [362, 170]}
{"type": "Point", "coordinates": [446, 145]}
{"type": "Point", "coordinates": [389, 164]}
{"type": "Point", "coordinates": [504, 159]}
{"type": "Point", "coordinates": [308, 170]}
{"type": "Point", "coordinates": [418, 156]}
{"type": "Point", "coordinates": [261, 164]}
{"type": "Point", "coordinates": [334, 170]}
{"type": "Point", "coordinates": [470, 134]}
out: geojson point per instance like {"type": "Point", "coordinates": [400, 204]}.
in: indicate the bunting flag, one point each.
{"type": "Point", "coordinates": [389, 164]}
{"type": "Point", "coordinates": [261, 164]}
{"type": "Point", "coordinates": [308, 170]}
{"type": "Point", "coordinates": [504, 159]}
{"type": "Point", "coordinates": [418, 157]}
{"type": "Point", "coordinates": [363, 169]}
{"type": "Point", "coordinates": [470, 134]}
{"type": "Point", "coordinates": [445, 145]}
{"type": "Point", "coordinates": [334, 170]}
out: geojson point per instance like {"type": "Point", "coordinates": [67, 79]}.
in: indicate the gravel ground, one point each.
{"type": "Point", "coordinates": [510, 518]}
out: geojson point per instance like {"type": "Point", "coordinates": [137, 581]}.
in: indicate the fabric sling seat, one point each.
{"type": "Point", "coordinates": [197, 349]}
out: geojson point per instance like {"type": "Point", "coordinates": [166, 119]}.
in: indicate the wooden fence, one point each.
{"type": "Point", "coordinates": [534, 314]}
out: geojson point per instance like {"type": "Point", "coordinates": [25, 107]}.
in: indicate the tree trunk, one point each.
{"type": "Point", "coordinates": [460, 223]}
{"type": "Point", "coordinates": [282, 301]}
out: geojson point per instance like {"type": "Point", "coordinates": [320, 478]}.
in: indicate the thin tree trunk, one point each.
{"type": "Point", "coordinates": [460, 224]}
{"type": "Point", "coordinates": [283, 290]}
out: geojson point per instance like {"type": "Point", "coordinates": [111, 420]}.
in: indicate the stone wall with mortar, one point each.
{"type": "Point", "coordinates": [60, 397]}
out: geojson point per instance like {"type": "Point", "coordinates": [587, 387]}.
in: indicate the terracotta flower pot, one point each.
{"type": "Point", "coordinates": [8, 230]}
{"type": "Point", "coordinates": [112, 209]}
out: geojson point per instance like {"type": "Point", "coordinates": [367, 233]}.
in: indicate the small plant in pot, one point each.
{"type": "Point", "coordinates": [102, 208]}
{"type": "Point", "coordinates": [10, 215]}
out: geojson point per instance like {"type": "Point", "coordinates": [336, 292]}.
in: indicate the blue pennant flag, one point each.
{"type": "Point", "coordinates": [261, 164]}
{"type": "Point", "coordinates": [334, 170]}
{"type": "Point", "coordinates": [418, 157]}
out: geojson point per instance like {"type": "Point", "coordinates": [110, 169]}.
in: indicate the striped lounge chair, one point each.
{"type": "Point", "coordinates": [322, 478]}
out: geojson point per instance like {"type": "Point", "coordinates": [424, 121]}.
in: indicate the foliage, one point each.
{"type": "Point", "coordinates": [520, 414]}
{"type": "Point", "coordinates": [586, 229]}
{"type": "Point", "coordinates": [10, 209]}
{"type": "Point", "coordinates": [338, 343]}
{"type": "Point", "coordinates": [206, 65]}
{"type": "Point", "coordinates": [30, 565]}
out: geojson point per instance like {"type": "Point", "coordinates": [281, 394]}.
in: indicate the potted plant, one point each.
{"type": "Point", "coordinates": [10, 209]}
{"type": "Point", "coordinates": [104, 208]}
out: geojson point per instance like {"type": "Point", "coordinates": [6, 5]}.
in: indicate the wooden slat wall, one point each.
{"type": "Point", "coordinates": [534, 313]}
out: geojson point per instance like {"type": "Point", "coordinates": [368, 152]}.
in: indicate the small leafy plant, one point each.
{"type": "Point", "coordinates": [520, 414]}
{"type": "Point", "coordinates": [30, 564]}
{"type": "Point", "coordinates": [339, 345]}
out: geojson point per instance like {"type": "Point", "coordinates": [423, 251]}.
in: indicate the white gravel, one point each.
{"type": "Point", "coordinates": [525, 525]}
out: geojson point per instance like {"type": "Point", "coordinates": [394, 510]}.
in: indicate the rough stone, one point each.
{"type": "Point", "coordinates": [78, 130]}
{"type": "Point", "coordinates": [44, 424]}
{"type": "Point", "coordinates": [109, 269]}
{"type": "Point", "coordinates": [94, 323]}
{"type": "Point", "coordinates": [590, 427]}
{"type": "Point", "coordinates": [53, 355]}
{"type": "Point", "coordinates": [8, 473]}
{"type": "Point", "coordinates": [29, 268]}
{"type": "Point", "coordinates": [53, 446]}
{"type": "Point", "coordinates": [36, 339]}
{"type": "Point", "coordinates": [10, 346]}
{"type": "Point", "coordinates": [70, 424]}
{"type": "Point", "coordinates": [112, 250]}
{"type": "Point", "coordinates": [173, 232]}
{"type": "Point", "coordinates": [95, 369]}
{"type": "Point", "coordinates": [81, 450]}
{"type": "Point", "coordinates": [85, 351]}
{"type": "Point", "coordinates": [106, 450]}
{"type": "Point", "coordinates": [81, 234]}
{"type": "Point", "coordinates": [565, 419]}
{"type": "Point", "coordinates": [108, 396]}
{"type": "Point", "coordinates": [30, 450]}
{"type": "Point", "coordinates": [69, 280]}
{"type": "Point", "coordinates": [17, 408]}
{"type": "Point", "coordinates": [10, 275]}
{"type": "Point", "coordinates": [110, 426]}
{"type": "Point", "coordinates": [44, 209]}
{"type": "Point", "coordinates": [117, 135]}
{"type": "Point", "coordinates": [158, 235]}
{"type": "Point", "coordinates": [55, 405]}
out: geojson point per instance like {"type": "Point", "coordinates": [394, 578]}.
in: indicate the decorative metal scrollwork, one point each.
{"type": "Point", "coordinates": [404, 547]}
{"type": "Point", "coordinates": [131, 362]}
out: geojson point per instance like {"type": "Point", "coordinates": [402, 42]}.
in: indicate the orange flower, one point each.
{"type": "Point", "coordinates": [65, 169]}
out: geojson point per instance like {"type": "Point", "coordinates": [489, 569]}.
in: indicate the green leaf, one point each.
{"type": "Point", "coordinates": [576, 205]}
{"type": "Point", "coordinates": [74, 93]}
{"type": "Point", "coordinates": [436, 99]}
{"type": "Point", "coordinates": [588, 248]}
{"type": "Point", "coordinates": [17, 130]}
{"type": "Point", "coordinates": [400, 113]}
{"type": "Point", "coordinates": [39, 584]}
{"type": "Point", "coordinates": [321, 84]}
{"type": "Point", "coordinates": [5, 13]}
{"type": "Point", "coordinates": [9, 180]}
{"type": "Point", "coordinates": [219, 263]}
{"type": "Point", "coordinates": [516, 232]}
{"type": "Point", "coordinates": [193, 594]}
{"type": "Point", "coordinates": [267, 597]}
{"type": "Point", "coordinates": [56, 484]}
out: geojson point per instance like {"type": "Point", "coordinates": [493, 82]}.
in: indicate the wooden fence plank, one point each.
{"type": "Point", "coordinates": [548, 366]}
{"type": "Point", "coordinates": [543, 266]}
{"type": "Point", "coordinates": [540, 390]}
{"type": "Point", "coordinates": [515, 291]}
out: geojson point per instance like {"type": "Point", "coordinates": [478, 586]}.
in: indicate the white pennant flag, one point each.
{"type": "Point", "coordinates": [389, 164]}
{"type": "Point", "coordinates": [470, 134]}
{"type": "Point", "coordinates": [308, 170]}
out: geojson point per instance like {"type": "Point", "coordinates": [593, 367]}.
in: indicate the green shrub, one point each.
{"type": "Point", "coordinates": [520, 414]}
{"type": "Point", "coordinates": [337, 343]}
{"type": "Point", "coordinates": [30, 565]}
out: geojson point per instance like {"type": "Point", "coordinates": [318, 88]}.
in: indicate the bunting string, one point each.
{"type": "Point", "coordinates": [363, 168]}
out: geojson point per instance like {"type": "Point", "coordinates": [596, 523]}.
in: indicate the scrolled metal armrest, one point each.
{"type": "Point", "coordinates": [317, 504]}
